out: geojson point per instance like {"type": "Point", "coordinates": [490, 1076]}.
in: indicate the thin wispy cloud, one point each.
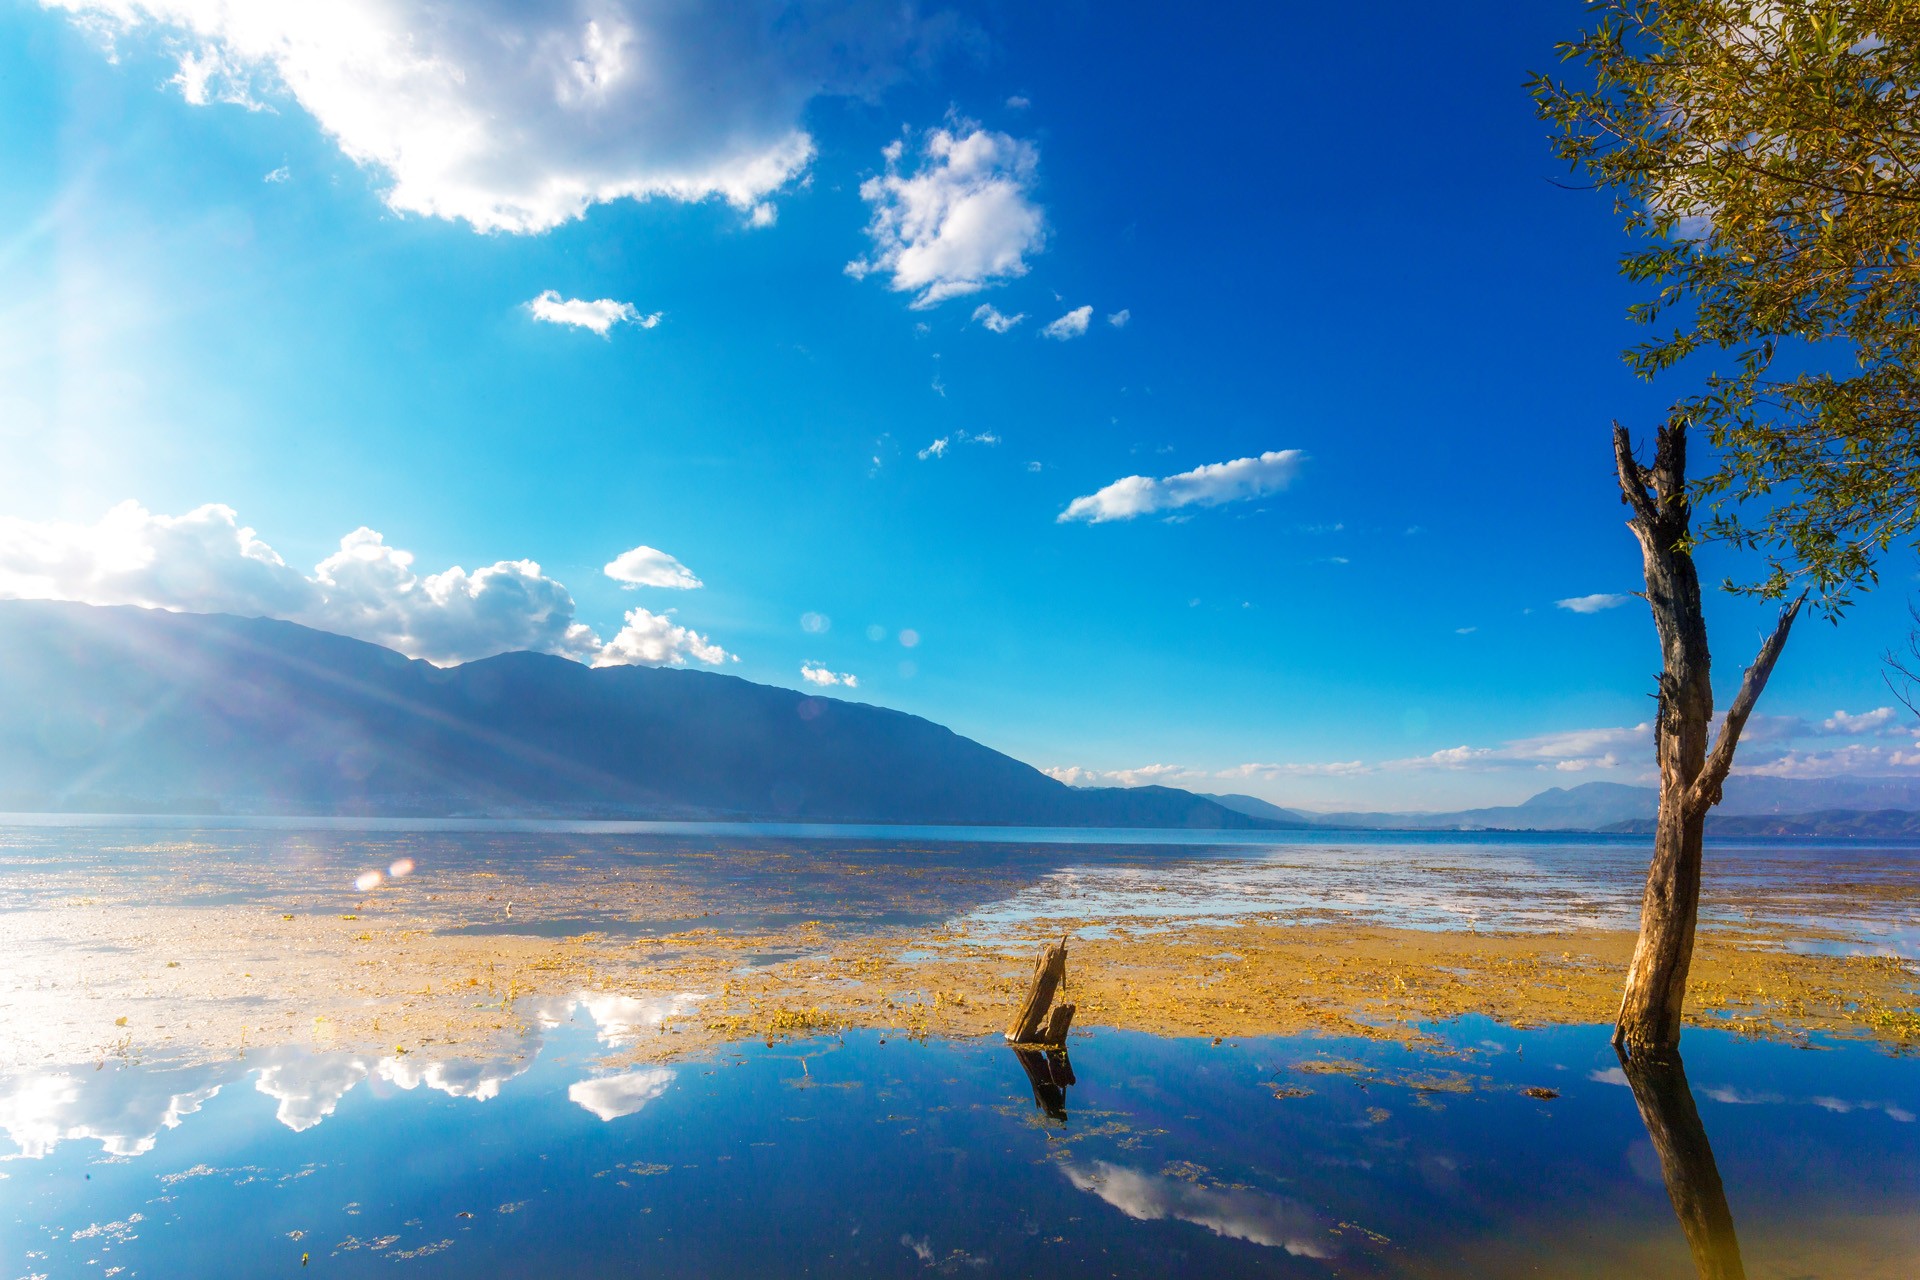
{"type": "Point", "coordinates": [1071, 325]}
{"type": "Point", "coordinates": [1208, 486]}
{"type": "Point", "coordinates": [1592, 604]}
{"type": "Point", "coordinates": [939, 447]}
{"type": "Point", "coordinates": [962, 220]}
{"type": "Point", "coordinates": [599, 314]}
{"type": "Point", "coordinates": [1119, 318]}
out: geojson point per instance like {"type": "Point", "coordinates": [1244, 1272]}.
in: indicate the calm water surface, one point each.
{"type": "Point", "coordinates": [887, 1157]}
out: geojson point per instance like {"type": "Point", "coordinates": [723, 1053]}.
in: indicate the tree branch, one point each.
{"type": "Point", "coordinates": [1705, 792]}
{"type": "Point", "coordinates": [1633, 484]}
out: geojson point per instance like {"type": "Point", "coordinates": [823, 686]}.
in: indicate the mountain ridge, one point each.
{"type": "Point", "coordinates": [257, 715]}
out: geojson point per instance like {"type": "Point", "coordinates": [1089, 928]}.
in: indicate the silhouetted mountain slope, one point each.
{"type": "Point", "coordinates": [135, 709]}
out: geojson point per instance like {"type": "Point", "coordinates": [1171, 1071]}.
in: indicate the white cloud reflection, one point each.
{"type": "Point", "coordinates": [1236, 1214]}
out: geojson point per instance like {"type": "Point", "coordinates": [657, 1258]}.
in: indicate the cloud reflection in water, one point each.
{"type": "Point", "coordinates": [1236, 1214]}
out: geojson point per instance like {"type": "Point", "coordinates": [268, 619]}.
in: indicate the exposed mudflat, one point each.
{"type": "Point", "coordinates": [225, 942]}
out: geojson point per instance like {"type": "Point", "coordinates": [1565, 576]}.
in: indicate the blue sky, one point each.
{"type": "Point", "coordinates": [269, 264]}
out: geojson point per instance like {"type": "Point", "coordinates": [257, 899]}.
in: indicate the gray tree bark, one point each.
{"type": "Point", "coordinates": [1691, 775]}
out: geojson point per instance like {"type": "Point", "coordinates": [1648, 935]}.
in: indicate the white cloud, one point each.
{"type": "Point", "coordinates": [963, 220]}
{"type": "Point", "coordinates": [938, 449]}
{"type": "Point", "coordinates": [1593, 603]}
{"type": "Point", "coordinates": [814, 673]}
{"type": "Point", "coordinates": [1572, 751]}
{"type": "Point", "coordinates": [519, 117]}
{"type": "Point", "coordinates": [1327, 769]}
{"type": "Point", "coordinates": [611, 1097]}
{"type": "Point", "coordinates": [599, 315]}
{"type": "Point", "coordinates": [1146, 775]}
{"type": "Point", "coordinates": [1018, 102]}
{"type": "Point", "coordinates": [655, 640]}
{"type": "Point", "coordinates": [207, 562]}
{"type": "Point", "coordinates": [649, 567]}
{"type": "Point", "coordinates": [987, 314]}
{"type": "Point", "coordinates": [1119, 318]}
{"type": "Point", "coordinates": [282, 174]}
{"type": "Point", "coordinates": [1207, 486]}
{"type": "Point", "coordinates": [1875, 721]}
{"type": "Point", "coordinates": [1070, 325]}
{"type": "Point", "coordinates": [1853, 758]}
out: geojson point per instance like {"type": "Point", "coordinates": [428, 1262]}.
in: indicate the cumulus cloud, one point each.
{"type": "Point", "coordinates": [963, 220]}
{"type": "Point", "coordinates": [1145, 775]}
{"type": "Point", "coordinates": [1119, 318]}
{"type": "Point", "coordinates": [1235, 1213]}
{"type": "Point", "coordinates": [599, 315]}
{"type": "Point", "coordinates": [1207, 486]}
{"type": "Point", "coordinates": [814, 673]}
{"type": "Point", "coordinates": [519, 117]}
{"type": "Point", "coordinates": [650, 567]}
{"type": "Point", "coordinates": [1070, 325]}
{"type": "Point", "coordinates": [1878, 720]}
{"type": "Point", "coordinates": [206, 561]}
{"type": "Point", "coordinates": [989, 315]}
{"type": "Point", "coordinates": [1592, 604]}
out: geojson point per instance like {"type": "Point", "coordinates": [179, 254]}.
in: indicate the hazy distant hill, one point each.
{"type": "Point", "coordinates": [132, 709]}
{"type": "Point", "coordinates": [1598, 806]}
{"type": "Point", "coordinates": [1830, 824]}
{"type": "Point", "coordinates": [1254, 806]}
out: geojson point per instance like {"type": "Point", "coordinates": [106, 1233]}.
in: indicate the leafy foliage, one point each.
{"type": "Point", "coordinates": [1765, 154]}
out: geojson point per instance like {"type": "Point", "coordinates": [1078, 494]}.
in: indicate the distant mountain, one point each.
{"type": "Point", "coordinates": [138, 710]}
{"type": "Point", "coordinates": [1255, 807]}
{"type": "Point", "coordinates": [1613, 806]}
{"type": "Point", "coordinates": [1831, 824]}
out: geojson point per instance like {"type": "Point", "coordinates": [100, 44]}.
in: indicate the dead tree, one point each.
{"type": "Point", "coordinates": [1691, 775]}
{"type": "Point", "coordinates": [1033, 1023]}
{"type": "Point", "coordinates": [1686, 1162]}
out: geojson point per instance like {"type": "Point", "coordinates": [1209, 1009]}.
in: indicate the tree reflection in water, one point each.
{"type": "Point", "coordinates": [1667, 1108]}
{"type": "Point", "coordinates": [1049, 1072]}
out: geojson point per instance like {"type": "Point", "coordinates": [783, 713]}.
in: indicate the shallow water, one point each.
{"type": "Point", "coordinates": [874, 1154]}
{"type": "Point", "coordinates": [889, 1157]}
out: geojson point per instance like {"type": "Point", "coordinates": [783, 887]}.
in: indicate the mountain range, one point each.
{"type": "Point", "coordinates": [117, 709]}
{"type": "Point", "coordinates": [125, 709]}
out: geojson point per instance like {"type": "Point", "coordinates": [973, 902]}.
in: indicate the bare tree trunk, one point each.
{"type": "Point", "coordinates": [1686, 1162]}
{"type": "Point", "coordinates": [1690, 775]}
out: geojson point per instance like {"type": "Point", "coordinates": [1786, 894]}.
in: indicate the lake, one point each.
{"type": "Point", "coordinates": [600, 1124]}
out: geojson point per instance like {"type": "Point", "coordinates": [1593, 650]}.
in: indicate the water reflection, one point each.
{"type": "Point", "coordinates": [125, 1109]}
{"type": "Point", "coordinates": [1667, 1108]}
{"type": "Point", "coordinates": [1232, 1212]}
{"type": "Point", "coordinates": [1050, 1072]}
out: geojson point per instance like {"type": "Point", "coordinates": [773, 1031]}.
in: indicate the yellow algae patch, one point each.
{"type": "Point", "coordinates": [213, 981]}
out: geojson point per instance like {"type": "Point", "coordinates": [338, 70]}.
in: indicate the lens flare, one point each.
{"type": "Point", "coordinates": [368, 881]}
{"type": "Point", "coordinates": [404, 867]}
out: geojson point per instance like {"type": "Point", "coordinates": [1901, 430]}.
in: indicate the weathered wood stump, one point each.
{"type": "Point", "coordinates": [1038, 1021]}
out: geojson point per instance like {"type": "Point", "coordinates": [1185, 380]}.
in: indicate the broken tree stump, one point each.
{"type": "Point", "coordinates": [1033, 1024]}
